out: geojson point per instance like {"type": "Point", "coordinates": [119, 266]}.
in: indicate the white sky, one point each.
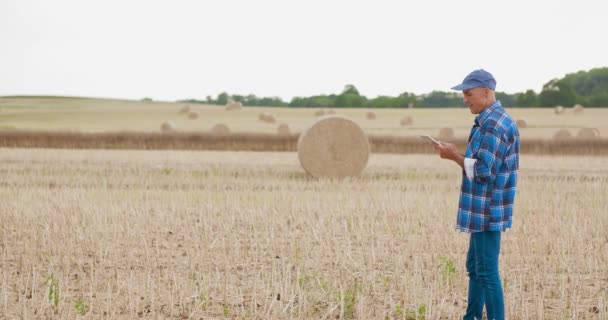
{"type": "Point", "coordinates": [170, 50]}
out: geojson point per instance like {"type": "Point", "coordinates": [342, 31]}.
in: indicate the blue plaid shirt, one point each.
{"type": "Point", "coordinates": [486, 201]}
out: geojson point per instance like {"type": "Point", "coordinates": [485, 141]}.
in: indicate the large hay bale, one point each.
{"type": "Point", "coordinates": [521, 123]}
{"type": "Point", "coordinates": [446, 133]}
{"type": "Point", "coordinates": [184, 110]}
{"type": "Point", "coordinates": [407, 121]}
{"type": "Point", "coordinates": [588, 134]}
{"type": "Point", "coordinates": [193, 115]}
{"type": "Point", "coordinates": [233, 105]}
{"type": "Point", "coordinates": [578, 109]}
{"type": "Point", "coordinates": [559, 109]}
{"type": "Point", "coordinates": [562, 134]}
{"type": "Point", "coordinates": [283, 129]}
{"type": "Point", "coordinates": [334, 147]}
{"type": "Point", "coordinates": [320, 112]}
{"type": "Point", "coordinates": [167, 127]}
{"type": "Point", "coordinates": [371, 115]}
{"type": "Point", "coordinates": [220, 128]}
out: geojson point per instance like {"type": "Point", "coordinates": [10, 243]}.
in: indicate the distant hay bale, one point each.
{"type": "Point", "coordinates": [193, 115]}
{"type": "Point", "coordinates": [283, 128]}
{"type": "Point", "coordinates": [578, 109]}
{"type": "Point", "coordinates": [320, 112]}
{"type": "Point", "coordinates": [331, 111]}
{"type": "Point", "coordinates": [588, 133]}
{"type": "Point", "coordinates": [521, 123]}
{"type": "Point", "coordinates": [371, 115]}
{"type": "Point", "coordinates": [184, 110]}
{"type": "Point", "coordinates": [233, 105]}
{"type": "Point", "coordinates": [334, 146]}
{"type": "Point", "coordinates": [446, 133]}
{"type": "Point", "coordinates": [268, 118]}
{"type": "Point", "coordinates": [407, 121]}
{"type": "Point", "coordinates": [562, 134]}
{"type": "Point", "coordinates": [410, 105]}
{"type": "Point", "coordinates": [220, 128]}
{"type": "Point", "coordinates": [559, 109]}
{"type": "Point", "coordinates": [167, 127]}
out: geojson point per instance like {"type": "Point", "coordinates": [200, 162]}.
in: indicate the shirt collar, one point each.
{"type": "Point", "coordinates": [481, 118]}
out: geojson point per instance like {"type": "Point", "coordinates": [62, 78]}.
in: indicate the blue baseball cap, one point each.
{"type": "Point", "coordinates": [477, 78]}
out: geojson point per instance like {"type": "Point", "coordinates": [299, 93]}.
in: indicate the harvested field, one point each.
{"type": "Point", "coordinates": [204, 234]}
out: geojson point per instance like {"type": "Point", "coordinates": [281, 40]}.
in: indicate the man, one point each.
{"type": "Point", "coordinates": [490, 165]}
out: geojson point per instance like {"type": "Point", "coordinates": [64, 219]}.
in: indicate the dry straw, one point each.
{"type": "Point", "coordinates": [334, 147]}
{"type": "Point", "coordinates": [371, 115]}
{"type": "Point", "coordinates": [320, 112]}
{"type": "Point", "coordinates": [559, 109]}
{"type": "Point", "coordinates": [233, 105]}
{"type": "Point", "coordinates": [407, 121]}
{"type": "Point", "coordinates": [331, 111]}
{"type": "Point", "coordinates": [220, 128]}
{"type": "Point", "coordinates": [562, 134]}
{"type": "Point", "coordinates": [446, 133]}
{"type": "Point", "coordinates": [522, 122]}
{"type": "Point", "coordinates": [588, 133]}
{"type": "Point", "coordinates": [184, 110]}
{"type": "Point", "coordinates": [193, 115]}
{"type": "Point", "coordinates": [283, 129]}
{"type": "Point", "coordinates": [578, 109]}
{"type": "Point", "coordinates": [167, 127]}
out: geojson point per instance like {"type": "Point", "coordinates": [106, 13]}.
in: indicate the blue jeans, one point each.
{"type": "Point", "coordinates": [484, 281]}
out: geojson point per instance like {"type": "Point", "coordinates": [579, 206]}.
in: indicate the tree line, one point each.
{"type": "Point", "coordinates": [588, 88]}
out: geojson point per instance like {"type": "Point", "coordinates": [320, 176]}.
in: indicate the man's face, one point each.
{"type": "Point", "coordinates": [476, 99]}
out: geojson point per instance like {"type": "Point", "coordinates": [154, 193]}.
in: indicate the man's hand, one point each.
{"type": "Point", "coordinates": [449, 151]}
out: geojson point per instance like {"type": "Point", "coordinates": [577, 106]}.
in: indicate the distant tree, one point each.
{"type": "Point", "coordinates": [557, 92]}
{"type": "Point", "coordinates": [527, 99]}
{"type": "Point", "coordinates": [350, 89]}
{"type": "Point", "coordinates": [350, 100]}
{"type": "Point", "coordinates": [441, 99]}
{"type": "Point", "coordinates": [222, 98]}
{"type": "Point", "coordinates": [506, 100]}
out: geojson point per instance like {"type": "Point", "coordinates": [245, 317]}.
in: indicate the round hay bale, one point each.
{"type": "Point", "coordinates": [562, 134]}
{"type": "Point", "coordinates": [588, 133]}
{"type": "Point", "coordinates": [331, 111]}
{"type": "Point", "coordinates": [559, 109]}
{"type": "Point", "coordinates": [268, 118]}
{"type": "Point", "coordinates": [184, 110]}
{"type": "Point", "coordinates": [283, 129]}
{"type": "Point", "coordinates": [233, 105]}
{"type": "Point", "coordinates": [578, 109]}
{"type": "Point", "coordinates": [193, 115]}
{"type": "Point", "coordinates": [446, 133]}
{"type": "Point", "coordinates": [521, 123]}
{"type": "Point", "coordinates": [407, 121]}
{"type": "Point", "coordinates": [167, 127]}
{"type": "Point", "coordinates": [320, 112]}
{"type": "Point", "coordinates": [371, 115]}
{"type": "Point", "coordinates": [334, 147]}
{"type": "Point", "coordinates": [220, 128]}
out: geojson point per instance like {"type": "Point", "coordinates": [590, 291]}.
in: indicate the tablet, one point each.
{"type": "Point", "coordinates": [430, 139]}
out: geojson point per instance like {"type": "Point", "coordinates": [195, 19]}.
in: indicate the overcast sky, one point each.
{"type": "Point", "coordinates": [170, 50]}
